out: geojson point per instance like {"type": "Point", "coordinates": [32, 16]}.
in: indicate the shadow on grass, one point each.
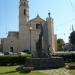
{"type": "Point", "coordinates": [8, 72]}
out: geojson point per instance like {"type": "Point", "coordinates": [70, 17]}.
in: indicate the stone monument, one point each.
{"type": "Point", "coordinates": [44, 60]}
{"type": "Point", "coordinates": [40, 52]}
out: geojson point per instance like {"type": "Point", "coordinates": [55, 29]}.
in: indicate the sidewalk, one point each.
{"type": "Point", "coordinates": [61, 71]}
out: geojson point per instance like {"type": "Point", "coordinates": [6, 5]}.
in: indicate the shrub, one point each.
{"type": "Point", "coordinates": [68, 57]}
{"type": "Point", "coordinates": [13, 59]}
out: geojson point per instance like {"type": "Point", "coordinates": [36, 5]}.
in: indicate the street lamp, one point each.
{"type": "Point", "coordinates": [30, 37]}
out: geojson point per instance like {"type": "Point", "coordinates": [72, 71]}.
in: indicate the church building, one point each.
{"type": "Point", "coordinates": [33, 35]}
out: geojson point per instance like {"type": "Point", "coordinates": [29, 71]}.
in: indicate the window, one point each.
{"type": "Point", "coordinates": [24, 3]}
{"type": "Point", "coordinates": [38, 26]}
{"type": "Point", "coordinates": [24, 12]}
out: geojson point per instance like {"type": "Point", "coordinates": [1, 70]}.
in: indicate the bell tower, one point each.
{"type": "Point", "coordinates": [23, 12]}
{"type": "Point", "coordinates": [23, 25]}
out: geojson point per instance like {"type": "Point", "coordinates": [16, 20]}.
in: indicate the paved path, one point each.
{"type": "Point", "coordinates": [61, 71]}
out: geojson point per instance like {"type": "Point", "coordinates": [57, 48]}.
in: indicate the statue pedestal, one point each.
{"type": "Point", "coordinates": [45, 63]}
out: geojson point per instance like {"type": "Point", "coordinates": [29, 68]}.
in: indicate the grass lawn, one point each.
{"type": "Point", "coordinates": [12, 71]}
{"type": "Point", "coordinates": [72, 72]}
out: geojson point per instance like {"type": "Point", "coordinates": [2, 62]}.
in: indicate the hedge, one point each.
{"type": "Point", "coordinates": [13, 59]}
{"type": "Point", "coordinates": [68, 57]}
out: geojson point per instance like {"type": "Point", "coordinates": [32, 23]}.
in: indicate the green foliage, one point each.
{"type": "Point", "coordinates": [13, 59]}
{"type": "Point", "coordinates": [68, 57]}
{"type": "Point", "coordinates": [60, 44]}
{"type": "Point", "coordinates": [72, 38]}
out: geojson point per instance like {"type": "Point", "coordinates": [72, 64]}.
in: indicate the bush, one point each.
{"type": "Point", "coordinates": [68, 57]}
{"type": "Point", "coordinates": [12, 60]}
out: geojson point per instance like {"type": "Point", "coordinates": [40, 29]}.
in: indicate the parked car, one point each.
{"type": "Point", "coordinates": [15, 53]}
{"type": "Point", "coordinates": [72, 49]}
{"type": "Point", "coordinates": [22, 53]}
{"type": "Point", "coordinates": [26, 51]}
{"type": "Point", "coordinates": [8, 53]}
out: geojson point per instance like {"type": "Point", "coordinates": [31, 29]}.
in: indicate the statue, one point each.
{"type": "Point", "coordinates": [40, 51]}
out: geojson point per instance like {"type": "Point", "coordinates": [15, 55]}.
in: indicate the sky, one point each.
{"type": "Point", "coordinates": [62, 11]}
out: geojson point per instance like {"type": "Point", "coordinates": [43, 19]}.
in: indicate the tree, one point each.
{"type": "Point", "coordinates": [72, 38]}
{"type": "Point", "coordinates": [60, 44]}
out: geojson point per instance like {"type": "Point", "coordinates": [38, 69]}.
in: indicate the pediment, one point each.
{"type": "Point", "coordinates": [38, 20]}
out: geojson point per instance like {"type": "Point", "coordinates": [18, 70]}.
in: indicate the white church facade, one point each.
{"type": "Point", "coordinates": [30, 32]}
